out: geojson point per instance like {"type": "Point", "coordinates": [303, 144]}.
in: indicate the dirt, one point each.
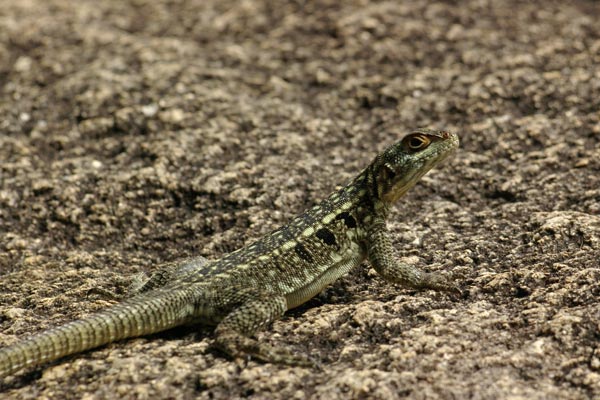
{"type": "Point", "coordinates": [138, 132]}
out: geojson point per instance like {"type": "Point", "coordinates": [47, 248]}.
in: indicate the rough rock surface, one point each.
{"type": "Point", "coordinates": [137, 132]}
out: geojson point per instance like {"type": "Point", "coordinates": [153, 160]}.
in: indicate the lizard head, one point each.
{"type": "Point", "coordinates": [401, 165]}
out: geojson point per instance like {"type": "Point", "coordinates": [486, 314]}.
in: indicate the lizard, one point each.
{"type": "Point", "coordinates": [246, 290]}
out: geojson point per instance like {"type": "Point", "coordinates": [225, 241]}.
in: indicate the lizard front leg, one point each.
{"type": "Point", "coordinates": [383, 257]}
{"type": "Point", "coordinates": [233, 333]}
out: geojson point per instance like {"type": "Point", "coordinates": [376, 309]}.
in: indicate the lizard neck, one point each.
{"type": "Point", "coordinates": [366, 184]}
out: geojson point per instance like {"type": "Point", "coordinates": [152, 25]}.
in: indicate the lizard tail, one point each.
{"type": "Point", "coordinates": [141, 315]}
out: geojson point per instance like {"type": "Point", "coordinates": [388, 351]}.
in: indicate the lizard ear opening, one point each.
{"type": "Point", "coordinates": [385, 180]}
{"type": "Point", "coordinates": [389, 172]}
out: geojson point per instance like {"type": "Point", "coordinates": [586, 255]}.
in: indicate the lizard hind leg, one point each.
{"type": "Point", "coordinates": [168, 272]}
{"type": "Point", "coordinates": [233, 333]}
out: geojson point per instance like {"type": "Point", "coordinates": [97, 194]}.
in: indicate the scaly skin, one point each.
{"type": "Point", "coordinates": [248, 289]}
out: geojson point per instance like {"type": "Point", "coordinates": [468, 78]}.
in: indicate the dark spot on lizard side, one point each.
{"type": "Point", "coordinates": [326, 236]}
{"type": "Point", "coordinates": [303, 253]}
{"type": "Point", "coordinates": [349, 220]}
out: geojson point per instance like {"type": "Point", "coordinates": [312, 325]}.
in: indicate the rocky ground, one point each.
{"type": "Point", "coordinates": [138, 132]}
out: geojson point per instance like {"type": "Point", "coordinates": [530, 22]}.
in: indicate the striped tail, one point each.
{"type": "Point", "coordinates": [140, 315]}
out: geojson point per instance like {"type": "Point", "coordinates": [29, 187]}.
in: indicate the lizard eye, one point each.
{"type": "Point", "coordinates": [417, 142]}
